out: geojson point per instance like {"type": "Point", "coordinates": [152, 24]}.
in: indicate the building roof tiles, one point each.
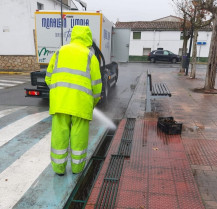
{"type": "Point", "coordinates": [153, 25]}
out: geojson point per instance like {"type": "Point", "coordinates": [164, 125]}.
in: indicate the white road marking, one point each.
{"type": "Point", "coordinates": [18, 178]}
{"type": "Point", "coordinates": [10, 81]}
{"type": "Point", "coordinates": [9, 132]}
{"type": "Point", "coordinates": [7, 84]}
{"type": "Point", "coordinates": [9, 111]}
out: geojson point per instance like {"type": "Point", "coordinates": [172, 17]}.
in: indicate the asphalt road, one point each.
{"type": "Point", "coordinates": [119, 97]}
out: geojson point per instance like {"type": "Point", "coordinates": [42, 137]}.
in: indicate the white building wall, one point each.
{"type": "Point", "coordinates": [168, 40]}
{"type": "Point", "coordinates": [17, 25]}
{"type": "Point", "coordinates": [203, 50]}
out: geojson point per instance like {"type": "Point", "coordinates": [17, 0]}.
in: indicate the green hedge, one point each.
{"type": "Point", "coordinates": [202, 59]}
{"type": "Point", "coordinates": [138, 58]}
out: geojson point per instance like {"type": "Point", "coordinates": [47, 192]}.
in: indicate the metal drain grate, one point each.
{"type": "Point", "coordinates": [126, 141]}
{"type": "Point", "coordinates": [114, 168]}
{"type": "Point", "coordinates": [108, 194]}
{"type": "Point", "coordinates": [109, 188]}
{"type": "Point", "coordinates": [129, 129]}
{"type": "Point", "coordinates": [125, 148]}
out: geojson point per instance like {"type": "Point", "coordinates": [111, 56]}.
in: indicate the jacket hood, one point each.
{"type": "Point", "coordinates": [82, 34]}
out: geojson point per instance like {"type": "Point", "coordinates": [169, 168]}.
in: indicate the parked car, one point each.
{"type": "Point", "coordinates": [163, 55]}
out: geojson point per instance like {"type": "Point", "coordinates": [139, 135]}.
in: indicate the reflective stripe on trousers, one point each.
{"type": "Point", "coordinates": [69, 131]}
{"type": "Point", "coordinates": [64, 151]}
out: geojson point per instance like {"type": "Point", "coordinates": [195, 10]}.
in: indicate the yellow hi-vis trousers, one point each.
{"type": "Point", "coordinates": [69, 135]}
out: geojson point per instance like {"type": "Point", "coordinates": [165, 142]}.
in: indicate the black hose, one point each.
{"type": "Point", "coordinates": [99, 56]}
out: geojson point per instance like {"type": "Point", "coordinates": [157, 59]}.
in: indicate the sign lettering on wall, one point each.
{"type": "Point", "coordinates": [48, 31]}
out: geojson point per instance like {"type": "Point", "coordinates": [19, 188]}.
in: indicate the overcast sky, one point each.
{"type": "Point", "coordinates": [132, 10]}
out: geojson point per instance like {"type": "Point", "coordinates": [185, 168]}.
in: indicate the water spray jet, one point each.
{"type": "Point", "coordinates": [104, 119]}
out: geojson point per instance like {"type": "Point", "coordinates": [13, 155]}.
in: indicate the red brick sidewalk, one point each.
{"type": "Point", "coordinates": [157, 174]}
{"type": "Point", "coordinates": [198, 113]}
{"type": "Point", "coordinates": [195, 152]}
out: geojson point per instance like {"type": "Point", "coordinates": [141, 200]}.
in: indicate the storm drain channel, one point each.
{"type": "Point", "coordinates": [126, 140]}
{"type": "Point", "coordinates": [80, 194]}
{"type": "Point", "coordinates": [109, 188]}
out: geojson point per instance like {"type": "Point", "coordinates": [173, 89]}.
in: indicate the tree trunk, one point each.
{"type": "Point", "coordinates": [212, 61]}
{"type": "Point", "coordinates": [194, 55]}
{"type": "Point", "coordinates": [184, 53]}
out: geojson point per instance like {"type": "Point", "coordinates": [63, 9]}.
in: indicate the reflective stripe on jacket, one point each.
{"type": "Point", "coordinates": [74, 77]}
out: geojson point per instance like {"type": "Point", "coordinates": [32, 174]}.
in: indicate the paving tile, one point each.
{"type": "Point", "coordinates": [211, 204]}
{"type": "Point", "coordinates": [202, 167]}
{"type": "Point", "coordinates": [214, 168]}
{"type": "Point", "coordinates": [206, 194]}
{"type": "Point", "coordinates": [170, 175]}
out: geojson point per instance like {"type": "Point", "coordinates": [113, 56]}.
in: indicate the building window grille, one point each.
{"type": "Point", "coordinates": [136, 35]}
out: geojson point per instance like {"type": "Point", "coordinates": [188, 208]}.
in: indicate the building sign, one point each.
{"type": "Point", "coordinates": [201, 43]}
{"type": "Point", "coordinates": [48, 31]}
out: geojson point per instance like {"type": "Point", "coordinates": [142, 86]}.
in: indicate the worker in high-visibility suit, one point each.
{"type": "Point", "coordinates": [74, 78]}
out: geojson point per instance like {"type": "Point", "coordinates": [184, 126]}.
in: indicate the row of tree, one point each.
{"type": "Point", "coordinates": [197, 14]}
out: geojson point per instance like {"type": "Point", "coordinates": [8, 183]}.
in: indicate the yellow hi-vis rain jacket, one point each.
{"type": "Point", "coordinates": [73, 76]}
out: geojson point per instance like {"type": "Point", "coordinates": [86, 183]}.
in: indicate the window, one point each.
{"type": "Point", "coordinates": [40, 6]}
{"type": "Point", "coordinates": [146, 51]}
{"type": "Point", "coordinates": [166, 53]}
{"type": "Point", "coordinates": [6, 29]}
{"type": "Point", "coordinates": [66, 2]}
{"type": "Point", "coordinates": [159, 52]}
{"type": "Point", "coordinates": [136, 35]}
{"type": "Point", "coordinates": [187, 33]}
{"type": "Point", "coordinates": [181, 35]}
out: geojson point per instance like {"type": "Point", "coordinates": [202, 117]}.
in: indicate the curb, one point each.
{"type": "Point", "coordinates": [14, 73]}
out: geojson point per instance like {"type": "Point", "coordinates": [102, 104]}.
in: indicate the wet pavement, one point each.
{"type": "Point", "coordinates": [198, 113]}
{"type": "Point", "coordinates": [197, 146]}
{"type": "Point", "coordinates": [196, 157]}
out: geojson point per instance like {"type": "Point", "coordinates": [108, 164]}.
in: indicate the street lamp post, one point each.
{"type": "Point", "coordinates": [61, 22]}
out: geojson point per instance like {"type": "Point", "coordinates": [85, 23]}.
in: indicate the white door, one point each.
{"type": "Point", "coordinates": [120, 45]}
